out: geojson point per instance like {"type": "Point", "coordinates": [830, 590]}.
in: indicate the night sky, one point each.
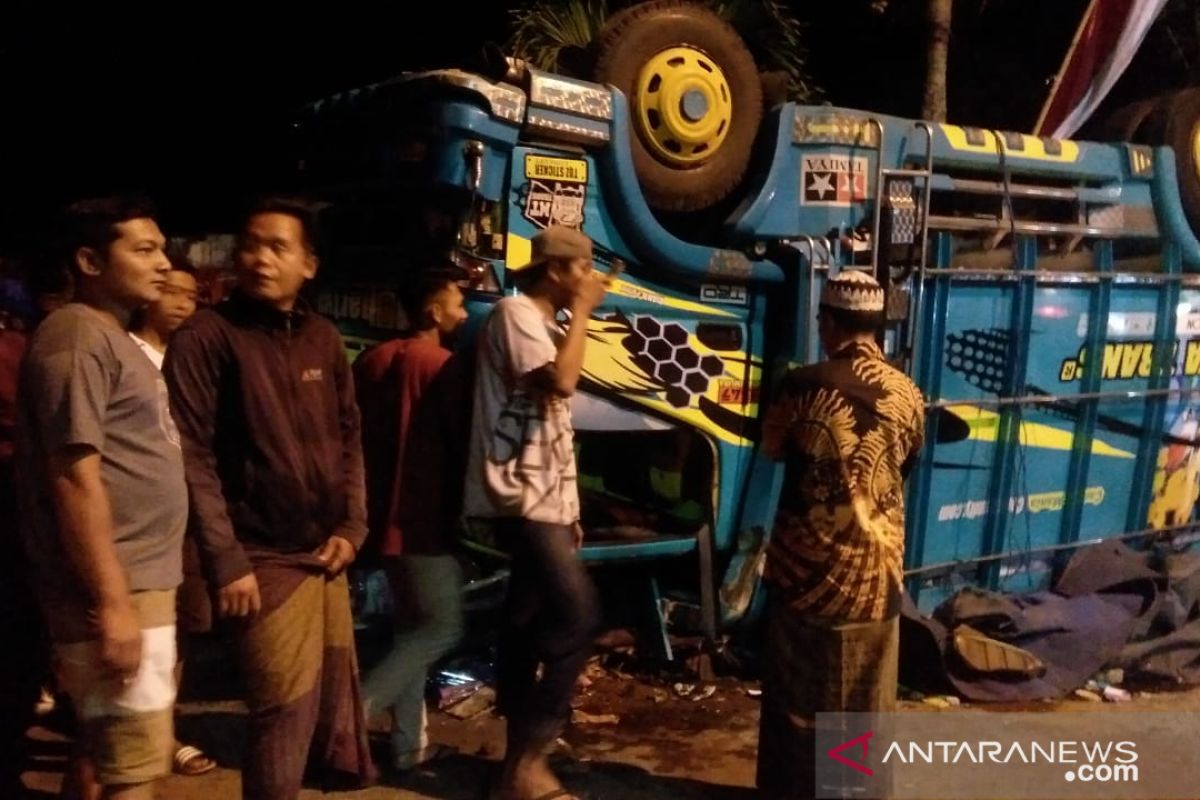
{"type": "Point", "coordinates": [192, 109]}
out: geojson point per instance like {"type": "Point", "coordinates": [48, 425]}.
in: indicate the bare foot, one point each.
{"type": "Point", "coordinates": [531, 779]}
{"type": "Point", "coordinates": [534, 779]}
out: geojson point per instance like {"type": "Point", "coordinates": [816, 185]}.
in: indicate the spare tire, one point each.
{"type": "Point", "coordinates": [695, 100]}
{"type": "Point", "coordinates": [1175, 121]}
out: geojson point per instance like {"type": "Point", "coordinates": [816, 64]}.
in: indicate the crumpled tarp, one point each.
{"type": "Point", "coordinates": [1110, 606]}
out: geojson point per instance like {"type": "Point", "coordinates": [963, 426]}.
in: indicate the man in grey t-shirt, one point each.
{"type": "Point", "coordinates": [106, 499]}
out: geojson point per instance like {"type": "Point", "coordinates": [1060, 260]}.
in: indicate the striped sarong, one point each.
{"type": "Point", "coordinates": [813, 665]}
{"type": "Point", "coordinates": [302, 686]}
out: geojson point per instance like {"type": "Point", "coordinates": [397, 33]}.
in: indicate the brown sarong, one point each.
{"type": "Point", "coordinates": [813, 665]}
{"type": "Point", "coordinates": [302, 685]}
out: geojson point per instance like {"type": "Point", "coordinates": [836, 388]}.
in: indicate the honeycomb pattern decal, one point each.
{"type": "Point", "coordinates": [663, 364]}
{"type": "Point", "coordinates": [662, 350]}
{"type": "Point", "coordinates": [980, 356]}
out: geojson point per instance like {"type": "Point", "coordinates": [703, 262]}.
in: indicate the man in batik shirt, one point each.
{"type": "Point", "coordinates": [847, 428]}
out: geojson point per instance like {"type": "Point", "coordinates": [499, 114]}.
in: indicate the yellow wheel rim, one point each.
{"type": "Point", "coordinates": [1196, 150]}
{"type": "Point", "coordinates": [684, 106]}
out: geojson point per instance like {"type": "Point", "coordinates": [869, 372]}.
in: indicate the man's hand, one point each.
{"type": "Point", "coordinates": [578, 536]}
{"type": "Point", "coordinates": [589, 294]}
{"type": "Point", "coordinates": [337, 553]}
{"type": "Point", "coordinates": [240, 598]}
{"type": "Point", "coordinates": [120, 641]}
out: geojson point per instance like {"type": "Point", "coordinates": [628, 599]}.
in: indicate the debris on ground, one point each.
{"type": "Point", "coordinates": [617, 662]}
{"type": "Point", "coordinates": [704, 694]}
{"type": "Point", "coordinates": [618, 640]}
{"type": "Point", "coordinates": [684, 689]}
{"type": "Point", "coordinates": [1107, 684]}
{"type": "Point", "coordinates": [599, 668]}
{"type": "Point", "coordinates": [454, 693]}
{"type": "Point", "coordinates": [754, 692]}
{"type": "Point", "coordinates": [592, 673]}
{"type": "Point", "coordinates": [1115, 694]}
{"type": "Point", "coordinates": [660, 695]}
{"type": "Point", "coordinates": [1089, 695]}
{"type": "Point", "coordinates": [942, 701]}
{"type": "Point", "coordinates": [460, 680]}
{"type": "Point", "coordinates": [480, 702]}
{"type": "Point", "coordinates": [584, 718]}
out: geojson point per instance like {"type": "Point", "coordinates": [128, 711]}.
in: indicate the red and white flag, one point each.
{"type": "Point", "coordinates": [1108, 36]}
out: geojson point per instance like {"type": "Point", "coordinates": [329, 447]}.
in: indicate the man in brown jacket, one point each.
{"type": "Point", "coordinates": [263, 396]}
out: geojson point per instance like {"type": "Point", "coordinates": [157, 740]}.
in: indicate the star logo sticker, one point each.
{"type": "Point", "coordinates": [833, 179]}
{"type": "Point", "coordinates": [820, 183]}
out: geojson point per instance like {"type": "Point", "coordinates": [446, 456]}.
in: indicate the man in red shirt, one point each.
{"type": "Point", "coordinates": [411, 401]}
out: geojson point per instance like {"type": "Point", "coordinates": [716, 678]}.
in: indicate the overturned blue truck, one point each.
{"type": "Point", "coordinates": [1041, 292]}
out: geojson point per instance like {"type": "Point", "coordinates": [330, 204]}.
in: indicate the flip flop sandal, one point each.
{"type": "Point", "coordinates": [191, 761]}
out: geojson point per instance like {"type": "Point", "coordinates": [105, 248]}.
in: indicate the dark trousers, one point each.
{"type": "Point", "coordinates": [550, 618]}
{"type": "Point", "coordinates": [25, 664]}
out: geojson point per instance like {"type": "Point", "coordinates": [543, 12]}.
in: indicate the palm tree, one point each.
{"type": "Point", "coordinates": [937, 51]}
{"type": "Point", "coordinates": [551, 34]}
{"type": "Point", "coordinates": [556, 35]}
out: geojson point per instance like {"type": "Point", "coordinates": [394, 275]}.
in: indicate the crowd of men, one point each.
{"type": "Point", "coordinates": [175, 470]}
